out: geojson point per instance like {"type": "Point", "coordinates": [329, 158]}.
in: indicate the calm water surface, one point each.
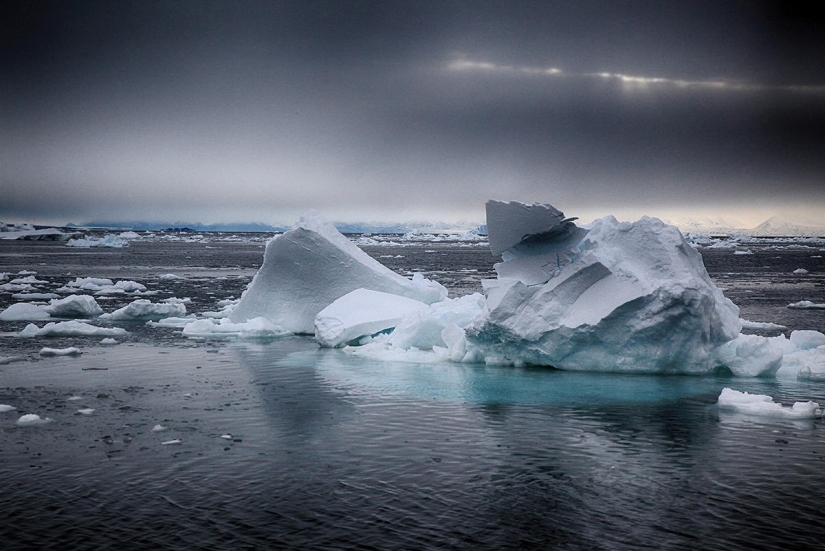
{"type": "Point", "coordinates": [285, 445]}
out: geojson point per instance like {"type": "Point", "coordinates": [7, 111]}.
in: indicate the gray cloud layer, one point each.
{"type": "Point", "coordinates": [259, 110]}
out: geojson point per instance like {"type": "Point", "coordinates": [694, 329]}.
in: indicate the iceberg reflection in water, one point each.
{"type": "Point", "coordinates": [328, 450]}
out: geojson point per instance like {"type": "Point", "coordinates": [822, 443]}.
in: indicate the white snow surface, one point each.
{"type": "Point", "coordinates": [361, 312]}
{"type": "Point", "coordinates": [628, 297]}
{"type": "Point", "coordinates": [761, 405]}
{"type": "Point", "coordinates": [309, 267]}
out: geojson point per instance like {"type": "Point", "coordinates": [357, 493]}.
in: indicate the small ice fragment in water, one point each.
{"type": "Point", "coordinates": [33, 419]}
{"type": "Point", "coordinates": [159, 428]}
{"type": "Point", "coordinates": [5, 407]}
{"type": "Point", "coordinates": [86, 411]}
{"type": "Point", "coordinates": [74, 398]}
{"type": "Point", "coordinates": [71, 351]}
{"type": "Point", "coordinates": [764, 406]}
{"type": "Point", "coordinates": [174, 442]}
{"type": "Point", "coordinates": [109, 340]}
{"type": "Point", "coordinates": [226, 436]}
{"type": "Point", "coordinates": [800, 271]}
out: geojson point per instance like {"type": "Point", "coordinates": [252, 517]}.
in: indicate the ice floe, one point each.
{"type": "Point", "coordinates": [70, 351]}
{"type": "Point", "coordinates": [807, 304]}
{"type": "Point", "coordinates": [259, 327]}
{"type": "Point", "coordinates": [5, 407]}
{"type": "Point", "coordinates": [24, 311]}
{"type": "Point", "coordinates": [761, 405]}
{"type": "Point", "coordinates": [309, 267]}
{"type": "Point", "coordinates": [110, 241]}
{"type": "Point", "coordinates": [761, 325]}
{"type": "Point", "coordinates": [33, 419]}
{"type": "Point", "coordinates": [144, 309]}
{"type": "Point", "coordinates": [71, 328]}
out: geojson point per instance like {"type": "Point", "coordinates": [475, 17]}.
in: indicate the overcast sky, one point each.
{"type": "Point", "coordinates": [209, 111]}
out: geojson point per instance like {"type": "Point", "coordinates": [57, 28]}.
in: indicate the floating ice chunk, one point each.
{"type": "Point", "coordinates": [255, 328]}
{"type": "Point", "coordinates": [112, 241]}
{"type": "Point", "coordinates": [751, 356]}
{"type": "Point", "coordinates": [806, 339]}
{"type": "Point", "coordinates": [128, 235]}
{"type": "Point", "coordinates": [74, 306]}
{"type": "Point", "coordinates": [422, 329]}
{"type": "Point", "coordinates": [172, 322]}
{"type": "Point", "coordinates": [174, 442]}
{"type": "Point", "coordinates": [761, 325]}
{"type": "Point", "coordinates": [31, 280]}
{"type": "Point", "coordinates": [226, 436]}
{"type": "Point", "coordinates": [70, 351]}
{"type": "Point", "coordinates": [15, 287]}
{"type": "Point", "coordinates": [122, 287]}
{"type": "Point", "coordinates": [361, 312]}
{"type": "Point", "coordinates": [24, 311]}
{"type": "Point", "coordinates": [800, 271]}
{"type": "Point", "coordinates": [764, 406]}
{"type": "Point", "coordinates": [86, 411]}
{"type": "Point", "coordinates": [743, 252]}
{"type": "Point", "coordinates": [33, 419]}
{"type": "Point", "coordinates": [34, 296]}
{"type": "Point", "coordinates": [74, 398]}
{"type": "Point", "coordinates": [629, 297]}
{"type": "Point", "coordinates": [71, 329]}
{"type": "Point", "coordinates": [5, 407]}
{"type": "Point", "coordinates": [144, 309]}
{"type": "Point", "coordinates": [159, 428]}
{"type": "Point", "coordinates": [109, 341]}
{"type": "Point", "coordinates": [807, 304]}
{"type": "Point", "coordinates": [90, 283]}
{"type": "Point", "coordinates": [168, 277]}
{"type": "Point", "coordinates": [309, 267]}
{"type": "Point", "coordinates": [11, 359]}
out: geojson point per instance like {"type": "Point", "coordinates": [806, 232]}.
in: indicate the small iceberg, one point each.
{"type": "Point", "coordinates": [760, 405]}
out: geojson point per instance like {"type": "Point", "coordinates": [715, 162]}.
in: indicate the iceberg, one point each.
{"type": "Point", "coordinates": [359, 313]}
{"type": "Point", "coordinates": [310, 267]}
{"type": "Point", "coordinates": [611, 296]}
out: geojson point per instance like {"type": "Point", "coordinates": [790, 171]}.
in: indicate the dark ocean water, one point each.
{"type": "Point", "coordinates": [285, 445]}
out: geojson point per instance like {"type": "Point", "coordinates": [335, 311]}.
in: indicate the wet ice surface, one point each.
{"type": "Point", "coordinates": [285, 445]}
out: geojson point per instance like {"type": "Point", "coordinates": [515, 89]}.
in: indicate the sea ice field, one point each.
{"type": "Point", "coordinates": [137, 434]}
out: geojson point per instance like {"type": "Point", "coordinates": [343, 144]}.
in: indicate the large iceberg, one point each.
{"type": "Point", "coordinates": [312, 265]}
{"type": "Point", "coordinates": [610, 296]}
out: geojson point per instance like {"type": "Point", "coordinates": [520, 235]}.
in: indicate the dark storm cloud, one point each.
{"type": "Point", "coordinates": [235, 109]}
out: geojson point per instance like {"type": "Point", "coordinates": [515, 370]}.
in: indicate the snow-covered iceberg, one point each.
{"type": "Point", "coordinates": [312, 265]}
{"type": "Point", "coordinates": [361, 312]}
{"type": "Point", "coordinates": [610, 296]}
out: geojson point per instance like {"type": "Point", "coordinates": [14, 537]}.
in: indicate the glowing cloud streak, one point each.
{"type": "Point", "coordinates": [629, 82]}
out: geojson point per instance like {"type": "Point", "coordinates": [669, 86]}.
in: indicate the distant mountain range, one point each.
{"type": "Point", "coordinates": [343, 227]}
{"type": "Point", "coordinates": [775, 226]}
